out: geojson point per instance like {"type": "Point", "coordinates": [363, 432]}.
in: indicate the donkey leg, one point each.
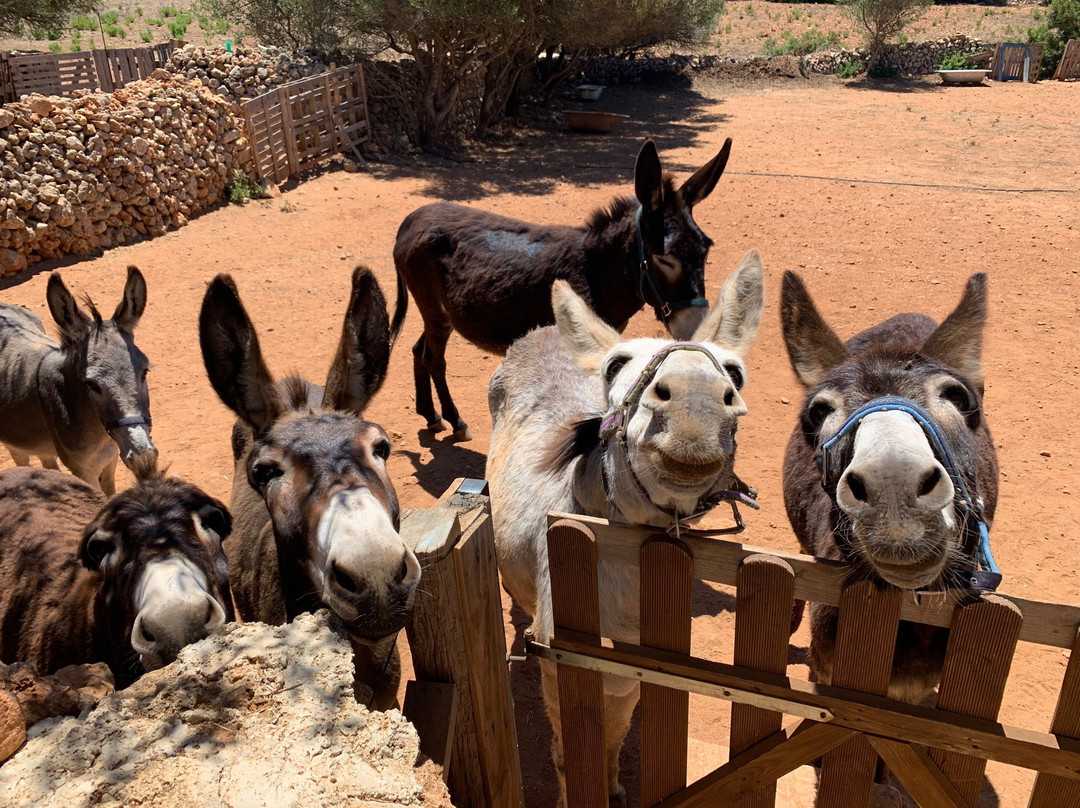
{"type": "Point", "coordinates": [20, 457]}
{"type": "Point", "coordinates": [50, 462]}
{"type": "Point", "coordinates": [618, 709]}
{"type": "Point", "coordinates": [425, 406]}
{"type": "Point", "coordinates": [436, 363]}
{"type": "Point", "coordinates": [107, 477]}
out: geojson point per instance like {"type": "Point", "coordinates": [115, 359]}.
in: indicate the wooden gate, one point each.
{"type": "Point", "coordinates": [294, 126]}
{"type": "Point", "coordinates": [1069, 66]}
{"type": "Point", "coordinates": [939, 754]}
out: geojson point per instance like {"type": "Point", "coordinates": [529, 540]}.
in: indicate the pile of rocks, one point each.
{"type": "Point", "coordinates": [909, 58]}
{"type": "Point", "coordinates": [244, 72]}
{"type": "Point", "coordinates": [252, 715]}
{"type": "Point", "coordinates": [89, 172]}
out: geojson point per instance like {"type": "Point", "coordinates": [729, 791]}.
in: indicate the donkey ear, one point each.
{"type": "Point", "coordinates": [649, 179]}
{"type": "Point", "coordinates": [733, 321]}
{"type": "Point", "coordinates": [73, 323]}
{"type": "Point", "coordinates": [957, 342]}
{"type": "Point", "coordinates": [131, 307]}
{"type": "Point", "coordinates": [232, 357]}
{"type": "Point", "coordinates": [363, 354]}
{"type": "Point", "coordinates": [705, 178]}
{"type": "Point", "coordinates": [96, 545]}
{"type": "Point", "coordinates": [586, 336]}
{"type": "Point", "coordinates": [813, 347]}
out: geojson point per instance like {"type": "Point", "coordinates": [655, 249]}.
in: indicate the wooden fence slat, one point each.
{"type": "Point", "coordinates": [914, 767]}
{"type": "Point", "coordinates": [977, 661]}
{"type": "Point", "coordinates": [667, 578]}
{"type": "Point", "coordinates": [865, 644]}
{"type": "Point", "coordinates": [764, 762]}
{"type": "Point", "coordinates": [480, 605]}
{"type": "Point", "coordinates": [1069, 66]}
{"type": "Point", "coordinates": [764, 598]}
{"type": "Point", "coordinates": [1052, 791]}
{"type": "Point", "coordinates": [575, 604]}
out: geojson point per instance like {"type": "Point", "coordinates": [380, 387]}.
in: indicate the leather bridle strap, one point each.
{"type": "Point", "coordinates": [985, 576]}
{"type": "Point", "coordinates": [663, 307]}
{"type": "Point", "coordinates": [136, 420]}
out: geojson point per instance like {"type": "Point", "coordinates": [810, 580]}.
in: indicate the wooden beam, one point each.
{"type": "Point", "coordinates": [764, 762]}
{"type": "Point", "coordinates": [666, 609]}
{"type": "Point", "coordinates": [822, 581]}
{"type": "Point", "coordinates": [1051, 791]}
{"type": "Point", "coordinates": [914, 767]}
{"type": "Point", "coordinates": [764, 598]}
{"type": "Point", "coordinates": [863, 712]}
{"type": "Point", "coordinates": [431, 707]}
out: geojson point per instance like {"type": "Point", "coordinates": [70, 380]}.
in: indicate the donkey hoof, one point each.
{"type": "Point", "coordinates": [462, 433]}
{"type": "Point", "coordinates": [438, 425]}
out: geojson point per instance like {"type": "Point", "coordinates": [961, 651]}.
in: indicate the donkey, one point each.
{"type": "Point", "coordinates": [489, 276]}
{"type": "Point", "coordinates": [129, 581]}
{"type": "Point", "coordinates": [864, 483]}
{"type": "Point", "coordinates": [641, 432]}
{"type": "Point", "coordinates": [67, 399]}
{"type": "Point", "coordinates": [316, 512]}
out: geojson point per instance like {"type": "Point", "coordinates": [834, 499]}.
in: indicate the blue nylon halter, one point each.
{"type": "Point", "coordinates": [665, 309]}
{"type": "Point", "coordinates": [986, 575]}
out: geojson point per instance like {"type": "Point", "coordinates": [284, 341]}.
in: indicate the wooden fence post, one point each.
{"type": "Point", "coordinates": [865, 643]}
{"type": "Point", "coordinates": [764, 599]}
{"type": "Point", "coordinates": [575, 602]}
{"type": "Point", "coordinates": [1049, 790]}
{"type": "Point", "coordinates": [667, 578]}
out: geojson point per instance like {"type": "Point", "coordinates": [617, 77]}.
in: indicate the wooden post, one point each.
{"type": "Point", "coordinates": [287, 130]}
{"type": "Point", "coordinates": [865, 644]}
{"type": "Point", "coordinates": [1049, 790]}
{"type": "Point", "coordinates": [575, 603]}
{"type": "Point", "coordinates": [763, 602]}
{"type": "Point", "coordinates": [981, 645]}
{"type": "Point", "coordinates": [667, 578]}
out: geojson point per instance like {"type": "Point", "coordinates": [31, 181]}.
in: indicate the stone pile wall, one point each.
{"type": "Point", "coordinates": [910, 58]}
{"type": "Point", "coordinates": [97, 170]}
{"type": "Point", "coordinates": [243, 73]}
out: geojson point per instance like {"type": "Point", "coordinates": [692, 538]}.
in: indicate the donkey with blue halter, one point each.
{"type": "Point", "coordinates": [891, 468]}
{"type": "Point", "coordinates": [489, 276]}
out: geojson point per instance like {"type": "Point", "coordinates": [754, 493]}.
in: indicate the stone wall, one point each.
{"type": "Point", "coordinates": [86, 173]}
{"type": "Point", "coordinates": [909, 58]}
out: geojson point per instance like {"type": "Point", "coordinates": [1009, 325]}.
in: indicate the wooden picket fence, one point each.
{"type": "Point", "coordinates": [1015, 61]}
{"type": "Point", "coordinates": [939, 754]}
{"type": "Point", "coordinates": [292, 127]}
{"type": "Point", "coordinates": [64, 73]}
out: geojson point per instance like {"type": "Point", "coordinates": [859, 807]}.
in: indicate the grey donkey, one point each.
{"type": "Point", "coordinates": [554, 402]}
{"type": "Point", "coordinates": [79, 399]}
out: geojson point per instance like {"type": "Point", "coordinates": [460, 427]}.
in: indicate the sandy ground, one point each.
{"type": "Point", "coordinates": [884, 197]}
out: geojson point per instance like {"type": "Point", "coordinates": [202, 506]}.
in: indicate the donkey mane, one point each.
{"type": "Point", "coordinates": [295, 392]}
{"type": "Point", "coordinates": [603, 218]}
{"type": "Point", "coordinates": [571, 440]}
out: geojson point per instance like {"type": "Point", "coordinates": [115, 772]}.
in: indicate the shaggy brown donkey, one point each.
{"type": "Point", "coordinates": [489, 276]}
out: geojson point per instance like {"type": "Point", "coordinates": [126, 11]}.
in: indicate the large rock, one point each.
{"type": "Point", "coordinates": [253, 716]}
{"type": "Point", "coordinates": [12, 726]}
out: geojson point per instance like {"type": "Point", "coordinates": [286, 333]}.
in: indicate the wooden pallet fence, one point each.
{"type": "Point", "coordinates": [1015, 61]}
{"type": "Point", "coordinates": [7, 89]}
{"type": "Point", "coordinates": [1069, 66]}
{"type": "Point", "coordinates": [460, 701]}
{"type": "Point", "coordinates": [120, 66]}
{"type": "Point", "coordinates": [939, 754]}
{"type": "Point", "coordinates": [293, 127]}
{"type": "Point", "coordinates": [64, 73]}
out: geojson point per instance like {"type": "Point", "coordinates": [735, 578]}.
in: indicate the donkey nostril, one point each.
{"type": "Point", "coordinates": [729, 398]}
{"type": "Point", "coordinates": [663, 392]}
{"type": "Point", "coordinates": [857, 487]}
{"type": "Point", "coordinates": [147, 635]}
{"type": "Point", "coordinates": [342, 579]}
{"type": "Point", "coordinates": [929, 481]}
{"type": "Point", "coordinates": [403, 570]}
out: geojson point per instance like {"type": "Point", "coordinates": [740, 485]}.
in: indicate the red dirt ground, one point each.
{"type": "Point", "coordinates": [885, 197]}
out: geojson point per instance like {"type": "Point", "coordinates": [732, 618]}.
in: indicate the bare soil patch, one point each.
{"type": "Point", "coordinates": [885, 197]}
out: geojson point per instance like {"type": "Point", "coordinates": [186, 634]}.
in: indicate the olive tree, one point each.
{"type": "Point", "coordinates": [14, 14]}
{"type": "Point", "coordinates": [881, 20]}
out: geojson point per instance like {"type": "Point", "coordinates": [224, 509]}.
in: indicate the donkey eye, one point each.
{"type": "Point", "coordinates": [818, 412]}
{"type": "Point", "coordinates": [382, 449]}
{"type": "Point", "coordinates": [959, 397]}
{"type": "Point", "coordinates": [264, 472]}
{"type": "Point", "coordinates": [93, 386]}
{"type": "Point", "coordinates": [614, 366]}
{"type": "Point", "coordinates": [736, 374]}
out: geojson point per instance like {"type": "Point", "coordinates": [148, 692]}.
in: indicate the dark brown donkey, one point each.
{"type": "Point", "coordinates": [489, 276]}
{"type": "Point", "coordinates": [316, 513]}
{"type": "Point", "coordinates": [128, 582]}
{"type": "Point", "coordinates": [891, 468]}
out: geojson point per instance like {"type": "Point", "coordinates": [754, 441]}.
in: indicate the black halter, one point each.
{"type": "Point", "coordinates": [136, 420]}
{"type": "Point", "coordinates": [663, 307]}
{"type": "Point", "coordinates": [985, 575]}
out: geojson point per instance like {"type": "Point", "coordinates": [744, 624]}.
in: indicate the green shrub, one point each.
{"type": "Point", "coordinates": [155, 21]}
{"type": "Point", "coordinates": [169, 11]}
{"type": "Point", "coordinates": [110, 17]}
{"type": "Point", "coordinates": [147, 36]}
{"type": "Point", "coordinates": [129, 18]}
{"type": "Point", "coordinates": [848, 69]}
{"type": "Point", "coordinates": [83, 22]}
{"type": "Point", "coordinates": [55, 47]}
{"type": "Point", "coordinates": [177, 28]}
{"type": "Point", "coordinates": [74, 47]}
{"type": "Point", "coordinates": [241, 188]}
{"type": "Point", "coordinates": [1062, 24]}
{"type": "Point", "coordinates": [37, 33]}
{"type": "Point", "coordinates": [115, 31]}
{"type": "Point", "coordinates": [955, 61]}
{"type": "Point", "coordinates": [808, 41]}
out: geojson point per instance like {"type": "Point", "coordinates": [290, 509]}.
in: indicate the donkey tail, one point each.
{"type": "Point", "coordinates": [400, 308]}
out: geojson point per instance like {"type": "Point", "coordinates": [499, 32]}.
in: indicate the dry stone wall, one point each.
{"type": "Point", "coordinates": [909, 58]}
{"type": "Point", "coordinates": [90, 172]}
